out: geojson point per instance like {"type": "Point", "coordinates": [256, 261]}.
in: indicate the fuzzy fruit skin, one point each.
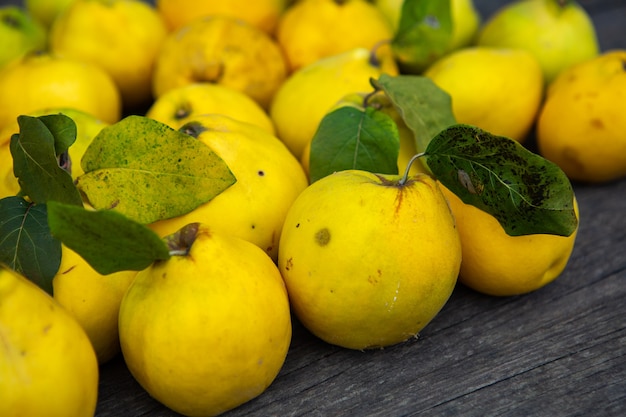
{"type": "Point", "coordinates": [207, 331]}
{"type": "Point", "coordinates": [497, 264]}
{"type": "Point", "coordinates": [581, 126]}
{"type": "Point", "coordinates": [48, 367]}
{"type": "Point", "coordinates": [558, 33]}
{"type": "Point", "coordinates": [367, 262]}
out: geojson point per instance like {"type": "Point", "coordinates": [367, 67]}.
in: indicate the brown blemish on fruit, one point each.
{"type": "Point", "coordinates": [571, 156]}
{"type": "Point", "coordinates": [261, 173]}
{"type": "Point", "coordinates": [597, 124]}
{"type": "Point", "coordinates": [184, 110]}
{"type": "Point", "coordinates": [68, 270]}
{"type": "Point", "coordinates": [193, 129]}
{"type": "Point", "coordinates": [374, 279]}
{"type": "Point", "coordinates": [322, 237]}
{"type": "Point", "coordinates": [289, 264]}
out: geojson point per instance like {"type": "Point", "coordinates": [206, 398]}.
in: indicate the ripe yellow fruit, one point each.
{"type": "Point", "coordinates": [368, 262]}
{"type": "Point", "coordinates": [221, 50]}
{"type": "Point", "coordinates": [262, 14]}
{"type": "Point", "coordinates": [123, 37]}
{"type": "Point", "coordinates": [269, 178]}
{"type": "Point", "coordinates": [48, 368]}
{"type": "Point", "coordinates": [313, 29]}
{"type": "Point", "coordinates": [309, 93]}
{"type": "Point", "coordinates": [495, 263]}
{"type": "Point", "coordinates": [209, 330]}
{"type": "Point", "coordinates": [581, 126]}
{"type": "Point", "coordinates": [180, 105]}
{"type": "Point", "coordinates": [42, 81]}
{"type": "Point", "coordinates": [498, 90]}
{"type": "Point", "coordinates": [92, 299]}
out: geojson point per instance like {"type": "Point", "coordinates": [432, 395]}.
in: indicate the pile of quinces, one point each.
{"type": "Point", "coordinates": [177, 179]}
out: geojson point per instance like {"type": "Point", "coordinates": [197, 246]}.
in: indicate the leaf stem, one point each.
{"type": "Point", "coordinates": [405, 177]}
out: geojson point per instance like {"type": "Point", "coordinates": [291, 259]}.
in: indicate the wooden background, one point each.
{"type": "Point", "coordinates": [560, 351]}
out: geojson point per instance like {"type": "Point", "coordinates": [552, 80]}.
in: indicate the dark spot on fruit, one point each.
{"type": "Point", "coordinates": [193, 129]}
{"type": "Point", "coordinates": [289, 264]}
{"type": "Point", "coordinates": [322, 237]}
{"type": "Point", "coordinates": [68, 270]}
{"type": "Point", "coordinates": [184, 110]}
{"type": "Point", "coordinates": [597, 123]}
{"type": "Point", "coordinates": [261, 173]}
{"type": "Point", "coordinates": [253, 227]}
{"type": "Point", "coordinates": [297, 225]}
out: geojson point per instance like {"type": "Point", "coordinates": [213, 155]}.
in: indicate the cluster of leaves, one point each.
{"type": "Point", "coordinates": [525, 192]}
{"type": "Point", "coordinates": [136, 171]}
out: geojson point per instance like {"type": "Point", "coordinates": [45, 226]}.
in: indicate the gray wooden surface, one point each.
{"type": "Point", "coordinates": [560, 351]}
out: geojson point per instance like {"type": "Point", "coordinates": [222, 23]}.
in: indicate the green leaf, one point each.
{"type": "Point", "coordinates": [526, 193]}
{"type": "Point", "coordinates": [148, 171]}
{"type": "Point", "coordinates": [107, 240]}
{"type": "Point", "coordinates": [63, 130]}
{"type": "Point", "coordinates": [26, 244]}
{"type": "Point", "coordinates": [425, 108]}
{"type": "Point", "coordinates": [354, 138]}
{"type": "Point", "coordinates": [423, 35]}
{"type": "Point", "coordinates": [35, 158]}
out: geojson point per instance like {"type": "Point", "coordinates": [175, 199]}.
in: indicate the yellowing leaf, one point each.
{"type": "Point", "coordinates": [148, 171]}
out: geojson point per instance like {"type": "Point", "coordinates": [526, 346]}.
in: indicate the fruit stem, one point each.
{"type": "Point", "coordinates": [180, 242]}
{"type": "Point", "coordinates": [405, 177]}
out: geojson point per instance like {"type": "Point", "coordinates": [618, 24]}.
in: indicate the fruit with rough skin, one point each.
{"type": "Point", "coordinates": [581, 126]}
{"type": "Point", "coordinates": [208, 329]}
{"type": "Point", "coordinates": [369, 260]}
{"type": "Point", "coordinates": [221, 50]}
